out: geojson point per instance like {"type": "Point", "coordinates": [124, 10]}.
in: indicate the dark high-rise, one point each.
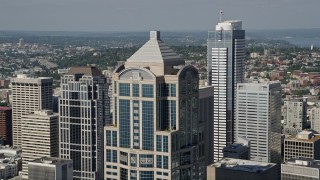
{"type": "Point", "coordinates": [83, 109]}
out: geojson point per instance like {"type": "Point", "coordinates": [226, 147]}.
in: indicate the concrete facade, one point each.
{"type": "Point", "coordinates": [28, 94]}
{"type": "Point", "coordinates": [39, 137]}
{"type": "Point", "coordinates": [303, 145]}
{"type": "Point", "coordinates": [50, 168]}
{"type": "Point", "coordinates": [300, 169]}
{"type": "Point", "coordinates": [258, 112]}
{"type": "Point", "coordinates": [294, 116]}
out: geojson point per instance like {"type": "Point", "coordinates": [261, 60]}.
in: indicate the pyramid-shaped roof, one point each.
{"type": "Point", "coordinates": [154, 51]}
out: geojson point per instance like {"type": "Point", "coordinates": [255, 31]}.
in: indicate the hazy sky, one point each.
{"type": "Point", "coordinates": [142, 15]}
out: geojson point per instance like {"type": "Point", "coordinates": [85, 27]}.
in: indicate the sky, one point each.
{"type": "Point", "coordinates": [144, 15]}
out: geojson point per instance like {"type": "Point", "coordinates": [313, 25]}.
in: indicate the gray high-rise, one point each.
{"type": "Point", "coordinates": [226, 53]}
{"type": "Point", "coordinates": [258, 119]}
{"type": "Point", "coordinates": [83, 109]}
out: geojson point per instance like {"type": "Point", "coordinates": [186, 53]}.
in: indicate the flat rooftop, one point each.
{"type": "Point", "coordinates": [305, 162]}
{"type": "Point", "coordinates": [51, 160]}
{"type": "Point", "coordinates": [243, 165]}
{"type": "Point", "coordinates": [304, 136]}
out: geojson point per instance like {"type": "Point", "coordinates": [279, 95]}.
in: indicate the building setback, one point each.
{"type": "Point", "coordinates": [28, 95]}
{"type": "Point", "coordinates": [83, 109]}
{"type": "Point", "coordinates": [225, 53]}
{"type": "Point", "coordinates": [6, 125]}
{"type": "Point", "coordinates": [258, 113]}
{"type": "Point", "coordinates": [39, 137]}
{"type": "Point", "coordinates": [50, 168]}
{"type": "Point", "coordinates": [155, 132]}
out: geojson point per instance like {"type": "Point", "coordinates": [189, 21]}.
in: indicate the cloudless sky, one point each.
{"type": "Point", "coordinates": [144, 15]}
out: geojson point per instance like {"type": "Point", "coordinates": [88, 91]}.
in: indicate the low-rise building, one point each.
{"type": "Point", "coordinates": [50, 168]}
{"type": "Point", "coordinates": [235, 169]}
{"type": "Point", "coordinates": [300, 169]}
{"type": "Point", "coordinates": [305, 144]}
{"type": "Point", "coordinates": [237, 151]}
{"type": "Point", "coordinates": [10, 162]}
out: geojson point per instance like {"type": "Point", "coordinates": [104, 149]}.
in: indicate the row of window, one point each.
{"type": "Point", "coordinates": [124, 90]}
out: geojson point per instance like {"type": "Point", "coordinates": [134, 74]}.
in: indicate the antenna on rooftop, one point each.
{"type": "Point", "coordinates": [221, 13]}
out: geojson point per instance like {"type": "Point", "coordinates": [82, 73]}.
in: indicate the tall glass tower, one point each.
{"type": "Point", "coordinates": [226, 53]}
{"type": "Point", "coordinates": [155, 132]}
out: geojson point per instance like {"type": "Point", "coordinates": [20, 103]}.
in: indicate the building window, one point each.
{"type": "Point", "coordinates": [165, 143]}
{"type": "Point", "coordinates": [124, 123]}
{"type": "Point", "coordinates": [147, 125]}
{"type": "Point", "coordinates": [159, 143]}
{"type": "Point", "coordinates": [115, 87]}
{"type": "Point", "coordinates": [165, 162]}
{"type": "Point", "coordinates": [159, 161]}
{"type": "Point", "coordinates": [147, 90]}
{"type": "Point", "coordinates": [124, 89]}
{"type": "Point", "coordinates": [146, 160]}
{"type": "Point", "coordinates": [146, 175]}
{"type": "Point", "coordinates": [135, 90]}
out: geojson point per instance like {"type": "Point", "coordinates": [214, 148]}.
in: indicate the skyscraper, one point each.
{"type": "Point", "coordinates": [226, 53]}
{"type": "Point", "coordinates": [155, 132]}
{"type": "Point", "coordinates": [83, 109]}
{"type": "Point", "coordinates": [258, 112]}
{"type": "Point", "coordinates": [28, 94]}
{"type": "Point", "coordinates": [39, 134]}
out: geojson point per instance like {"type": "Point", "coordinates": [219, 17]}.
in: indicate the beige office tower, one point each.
{"type": "Point", "coordinates": [39, 137]}
{"type": "Point", "coordinates": [28, 94]}
{"type": "Point", "coordinates": [156, 131]}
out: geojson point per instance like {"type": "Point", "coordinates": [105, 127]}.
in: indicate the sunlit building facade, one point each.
{"type": "Point", "coordinates": [225, 53]}
{"type": "Point", "coordinates": [155, 132]}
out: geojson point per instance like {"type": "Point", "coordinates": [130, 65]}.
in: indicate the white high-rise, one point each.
{"type": "Point", "coordinates": [226, 53]}
{"type": "Point", "coordinates": [258, 119]}
{"type": "Point", "coordinates": [28, 94]}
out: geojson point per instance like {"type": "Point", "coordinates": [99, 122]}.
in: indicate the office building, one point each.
{"type": "Point", "coordinates": [294, 116]}
{"type": "Point", "coordinates": [10, 162]}
{"type": "Point", "coordinates": [300, 169]}
{"type": "Point", "coordinates": [39, 137]}
{"type": "Point", "coordinates": [235, 169]}
{"type": "Point", "coordinates": [6, 125]}
{"type": "Point", "coordinates": [83, 109]}
{"type": "Point", "coordinates": [303, 145]}
{"type": "Point", "coordinates": [50, 168]}
{"type": "Point", "coordinates": [314, 118]}
{"type": "Point", "coordinates": [237, 151]}
{"type": "Point", "coordinates": [155, 132]}
{"type": "Point", "coordinates": [28, 94]}
{"type": "Point", "coordinates": [226, 54]}
{"type": "Point", "coordinates": [259, 119]}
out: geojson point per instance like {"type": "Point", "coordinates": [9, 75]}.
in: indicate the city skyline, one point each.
{"type": "Point", "coordinates": [128, 15]}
